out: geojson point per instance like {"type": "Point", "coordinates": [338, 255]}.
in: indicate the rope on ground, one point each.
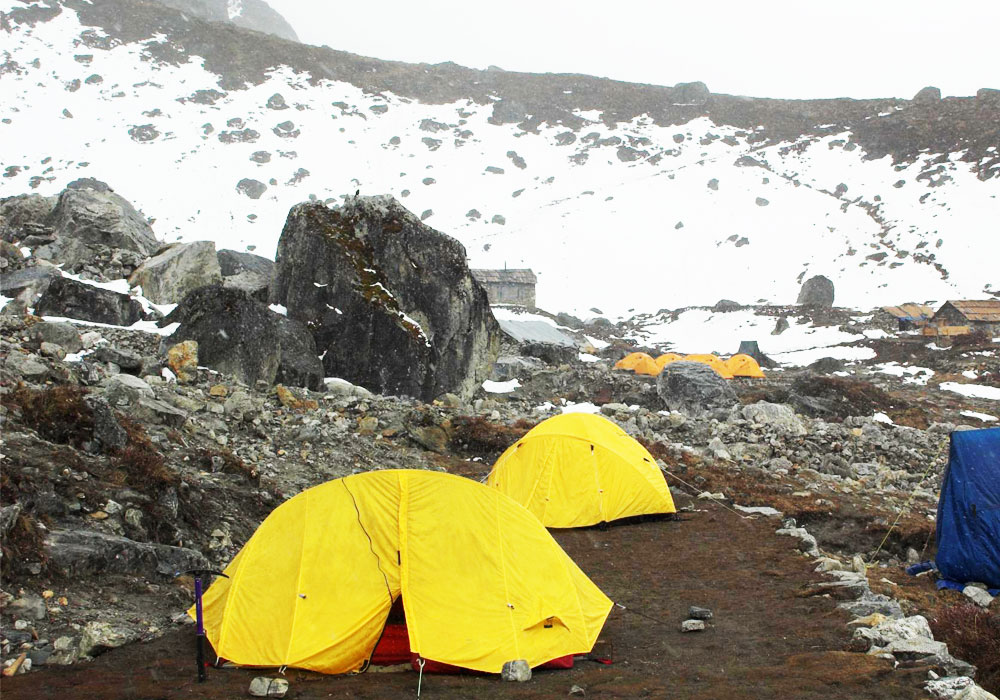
{"type": "Point", "coordinates": [712, 500]}
{"type": "Point", "coordinates": [871, 559]}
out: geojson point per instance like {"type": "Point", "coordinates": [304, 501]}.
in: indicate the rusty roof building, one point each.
{"type": "Point", "coordinates": [980, 315]}
{"type": "Point", "coordinates": [910, 316]}
{"type": "Point", "coordinates": [508, 286]}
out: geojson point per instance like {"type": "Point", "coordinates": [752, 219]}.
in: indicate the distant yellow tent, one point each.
{"type": "Point", "coordinates": [482, 581]}
{"type": "Point", "coordinates": [578, 469]}
{"type": "Point", "coordinates": [640, 363]}
{"type": "Point", "coordinates": [713, 361]}
{"type": "Point", "coordinates": [744, 366]}
{"type": "Point", "coordinates": [665, 359]}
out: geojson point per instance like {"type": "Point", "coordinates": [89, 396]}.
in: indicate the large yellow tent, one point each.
{"type": "Point", "coordinates": [640, 363]}
{"type": "Point", "coordinates": [665, 359]}
{"type": "Point", "coordinates": [713, 361]}
{"type": "Point", "coordinates": [744, 366]}
{"type": "Point", "coordinates": [482, 581]}
{"type": "Point", "coordinates": [578, 469]}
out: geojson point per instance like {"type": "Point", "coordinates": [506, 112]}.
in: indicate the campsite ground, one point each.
{"type": "Point", "coordinates": [767, 638]}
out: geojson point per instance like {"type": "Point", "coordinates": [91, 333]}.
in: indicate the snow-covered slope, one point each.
{"type": "Point", "coordinates": [617, 215]}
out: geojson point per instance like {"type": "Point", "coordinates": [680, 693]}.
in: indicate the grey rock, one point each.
{"type": "Point", "coordinates": [84, 552]}
{"type": "Point", "coordinates": [24, 215]}
{"type": "Point", "coordinates": [30, 282]}
{"type": "Point", "coordinates": [52, 350]}
{"type": "Point", "coordinates": [696, 613]}
{"type": "Point", "coordinates": [30, 606]}
{"type": "Point", "coordinates": [978, 596]}
{"type": "Point", "coordinates": [99, 637]}
{"type": "Point", "coordinates": [780, 326]}
{"type": "Point", "coordinates": [71, 299]}
{"type": "Point", "coordinates": [695, 93]}
{"type": "Point", "coordinates": [890, 631]}
{"type": "Point", "coordinates": [692, 626]}
{"type": "Point", "coordinates": [927, 96]}
{"type": "Point", "coordinates": [8, 516]}
{"type": "Point", "coordinates": [724, 305]}
{"type": "Point", "coordinates": [513, 366]}
{"type": "Point", "coordinates": [298, 364]}
{"type": "Point", "coordinates": [25, 365]}
{"type": "Point", "coordinates": [232, 262]}
{"type": "Point", "coordinates": [88, 220]}
{"type": "Point", "coordinates": [816, 292]}
{"type": "Point", "coordinates": [235, 334]}
{"type": "Point", "coordinates": [518, 671]}
{"type": "Point", "coordinates": [126, 359]}
{"type": "Point", "coordinates": [253, 189]}
{"type": "Point", "coordinates": [974, 692]}
{"type": "Point", "coordinates": [391, 302]}
{"type": "Point", "coordinates": [176, 271]}
{"type": "Point", "coordinates": [264, 687]}
{"type": "Point", "coordinates": [58, 332]}
{"type": "Point", "coordinates": [109, 435]}
{"type": "Point", "coordinates": [775, 415]}
{"type": "Point", "coordinates": [253, 283]}
{"type": "Point", "coordinates": [126, 389]}
{"type": "Point", "coordinates": [807, 543]}
{"type": "Point", "coordinates": [158, 412]}
{"type": "Point", "coordinates": [693, 388]}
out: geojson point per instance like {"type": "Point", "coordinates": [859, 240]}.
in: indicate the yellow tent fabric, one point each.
{"type": "Point", "coordinates": [640, 363]}
{"type": "Point", "coordinates": [713, 361]}
{"type": "Point", "coordinates": [578, 469]}
{"type": "Point", "coordinates": [482, 581]}
{"type": "Point", "coordinates": [744, 366]}
{"type": "Point", "coordinates": [665, 359]}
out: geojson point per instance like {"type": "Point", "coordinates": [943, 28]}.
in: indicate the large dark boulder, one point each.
{"type": "Point", "coordinates": [246, 271]}
{"type": "Point", "coordinates": [694, 388]}
{"type": "Point", "coordinates": [25, 215]}
{"type": "Point", "coordinates": [90, 223]}
{"type": "Point", "coordinates": [240, 336]}
{"type": "Point", "coordinates": [167, 277]}
{"type": "Point", "coordinates": [84, 302]}
{"type": "Point", "coordinates": [695, 93]}
{"type": "Point", "coordinates": [927, 96]}
{"type": "Point", "coordinates": [816, 292]}
{"type": "Point", "coordinates": [390, 301]}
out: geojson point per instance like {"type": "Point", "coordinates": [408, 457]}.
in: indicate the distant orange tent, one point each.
{"type": "Point", "coordinates": [713, 361]}
{"type": "Point", "coordinates": [640, 363]}
{"type": "Point", "coordinates": [665, 359]}
{"type": "Point", "coordinates": [744, 366]}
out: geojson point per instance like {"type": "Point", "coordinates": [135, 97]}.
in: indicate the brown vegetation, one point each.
{"type": "Point", "coordinates": [972, 634]}
{"type": "Point", "coordinates": [57, 414]}
{"type": "Point", "coordinates": [477, 436]}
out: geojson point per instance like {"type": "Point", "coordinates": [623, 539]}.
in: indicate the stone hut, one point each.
{"type": "Point", "coordinates": [978, 315]}
{"type": "Point", "coordinates": [508, 286]}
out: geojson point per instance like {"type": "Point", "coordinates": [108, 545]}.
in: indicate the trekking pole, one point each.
{"type": "Point", "coordinates": [199, 618]}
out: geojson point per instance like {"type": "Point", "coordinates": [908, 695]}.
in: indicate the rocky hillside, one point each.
{"type": "Point", "coordinates": [610, 191]}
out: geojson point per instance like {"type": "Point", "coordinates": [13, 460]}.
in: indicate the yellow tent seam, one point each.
{"type": "Point", "coordinates": [404, 556]}
{"type": "Point", "coordinates": [298, 579]}
{"type": "Point", "coordinates": [503, 571]}
{"type": "Point", "coordinates": [230, 596]}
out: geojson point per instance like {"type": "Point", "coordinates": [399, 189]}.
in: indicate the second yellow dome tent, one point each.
{"type": "Point", "coordinates": [578, 469]}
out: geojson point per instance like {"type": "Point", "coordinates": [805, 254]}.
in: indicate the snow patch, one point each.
{"type": "Point", "coordinates": [500, 387]}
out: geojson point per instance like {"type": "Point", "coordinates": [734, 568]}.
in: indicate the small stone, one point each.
{"type": "Point", "coordinates": [577, 690]}
{"type": "Point", "coordinates": [858, 564]}
{"type": "Point", "coordinates": [692, 626]}
{"type": "Point", "coordinates": [52, 350]}
{"type": "Point", "coordinates": [218, 390]}
{"type": "Point", "coordinates": [824, 564]}
{"type": "Point", "coordinates": [518, 670]}
{"type": "Point", "coordinates": [367, 425]}
{"type": "Point", "coordinates": [978, 596]}
{"type": "Point", "coordinates": [264, 687]}
{"type": "Point", "coordinates": [63, 644]}
{"type": "Point", "coordinates": [696, 613]}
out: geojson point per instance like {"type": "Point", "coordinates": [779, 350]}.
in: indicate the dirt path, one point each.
{"type": "Point", "coordinates": [766, 642]}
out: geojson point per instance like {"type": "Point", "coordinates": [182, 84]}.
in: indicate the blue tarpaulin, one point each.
{"type": "Point", "coordinates": [968, 516]}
